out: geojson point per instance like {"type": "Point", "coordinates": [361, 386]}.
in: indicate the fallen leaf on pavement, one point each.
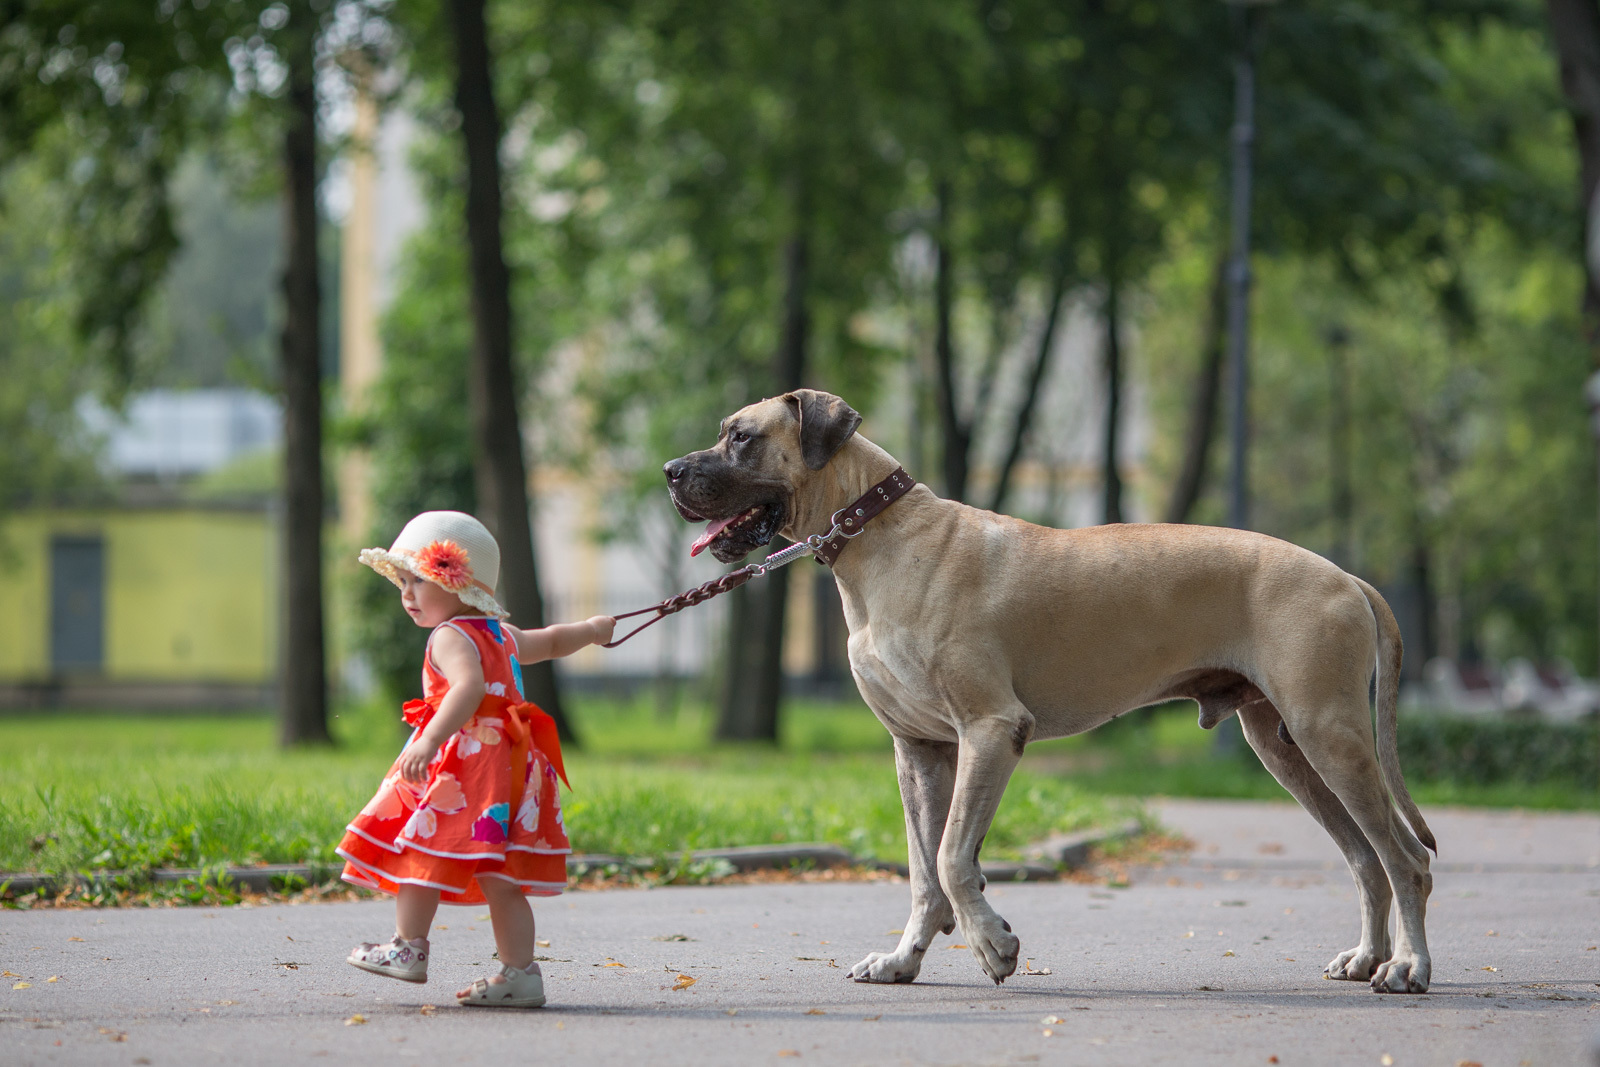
{"type": "Point", "coordinates": [542, 942]}
{"type": "Point", "coordinates": [115, 1035]}
{"type": "Point", "coordinates": [1027, 968]}
{"type": "Point", "coordinates": [610, 963]}
{"type": "Point", "coordinates": [1052, 1020]}
{"type": "Point", "coordinates": [1495, 969]}
{"type": "Point", "coordinates": [1229, 952]}
{"type": "Point", "coordinates": [74, 939]}
{"type": "Point", "coordinates": [870, 1018]}
{"type": "Point", "coordinates": [1386, 1059]}
{"type": "Point", "coordinates": [892, 933]}
{"type": "Point", "coordinates": [355, 1020]}
{"type": "Point", "coordinates": [788, 1052]}
{"type": "Point", "coordinates": [1048, 1033]}
{"type": "Point", "coordinates": [23, 985]}
{"type": "Point", "coordinates": [955, 946]}
{"type": "Point", "coordinates": [9, 974]}
{"type": "Point", "coordinates": [53, 978]}
{"type": "Point", "coordinates": [684, 982]}
{"type": "Point", "coordinates": [427, 1009]}
{"type": "Point", "coordinates": [672, 937]}
{"type": "Point", "coordinates": [816, 1011]}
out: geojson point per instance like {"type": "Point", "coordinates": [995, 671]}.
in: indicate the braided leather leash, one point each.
{"type": "Point", "coordinates": [848, 522]}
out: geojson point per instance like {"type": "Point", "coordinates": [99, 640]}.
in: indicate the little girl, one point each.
{"type": "Point", "coordinates": [470, 811]}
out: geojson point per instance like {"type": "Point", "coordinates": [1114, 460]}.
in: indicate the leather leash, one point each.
{"type": "Point", "coordinates": [848, 522]}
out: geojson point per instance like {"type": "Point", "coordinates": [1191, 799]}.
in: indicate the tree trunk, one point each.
{"type": "Point", "coordinates": [957, 434]}
{"type": "Point", "coordinates": [1341, 490]}
{"type": "Point", "coordinates": [1113, 476]}
{"type": "Point", "coordinates": [303, 683]}
{"type": "Point", "coordinates": [1030, 396]}
{"type": "Point", "coordinates": [1207, 388]}
{"type": "Point", "coordinates": [1575, 34]}
{"type": "Point", "coordinates": [499, 471]}
{"type": "Point", "coordinates": [752, 691]}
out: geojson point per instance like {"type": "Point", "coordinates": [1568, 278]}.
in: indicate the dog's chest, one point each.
{"type": "Point", "coordinates": [902, 690]}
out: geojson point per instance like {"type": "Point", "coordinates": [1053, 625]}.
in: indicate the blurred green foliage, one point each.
{"type": "Point", "coordinates": [1414, 189]}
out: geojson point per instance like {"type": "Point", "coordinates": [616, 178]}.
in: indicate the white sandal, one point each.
{"type": "Point", "coordinates": [402, 959]}
{"type": "Point", "coordinates": [521, 989]}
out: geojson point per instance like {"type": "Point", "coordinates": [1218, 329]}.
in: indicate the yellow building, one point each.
{"type": "Point", "coordinates": [164, 605]}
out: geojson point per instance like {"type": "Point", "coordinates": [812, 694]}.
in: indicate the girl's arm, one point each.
{"type": "Point", "coordinates": [457, 660]}
{"type": "Point", "coordinates": [554, 642]}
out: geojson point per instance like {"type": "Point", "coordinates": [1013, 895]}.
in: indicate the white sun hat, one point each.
{"type": "Point", "coordinates": [452, 550]}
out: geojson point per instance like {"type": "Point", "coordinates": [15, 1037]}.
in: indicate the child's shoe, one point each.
{"type": "Point", "coordinates": [402, 959]}
{"type": "Point", "coordinates": [521, 989]}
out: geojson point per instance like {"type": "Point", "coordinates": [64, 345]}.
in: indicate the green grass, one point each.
{"type": "Point", "coordinates": [87, 791]}
{"type": "Point", "coordinates": [1162, 752]}
{"type": "Point", "coordinates": [80, 791]}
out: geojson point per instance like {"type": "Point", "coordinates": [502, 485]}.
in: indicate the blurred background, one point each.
{"type": "Point", "coordinates": [275, 277]}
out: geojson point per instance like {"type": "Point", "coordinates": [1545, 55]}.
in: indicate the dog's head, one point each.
{"type": "Point", "coordinates": [744, 485]}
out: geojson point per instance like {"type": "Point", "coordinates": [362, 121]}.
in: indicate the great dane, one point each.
{"type": "Point", "coordinates": [972, 634]}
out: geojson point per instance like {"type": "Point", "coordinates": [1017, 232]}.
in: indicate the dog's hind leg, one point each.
{"type": "Point", "coordinates": [927, 772]}
{"type": "Point", "coordinates": [989, 750]}
{"type": "Point", "coordinates": [1263, 729]}
{"type": "Point", "coordinates": [1338, 742]}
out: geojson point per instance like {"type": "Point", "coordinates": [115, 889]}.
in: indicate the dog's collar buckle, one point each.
{"type": "Point", "coordinates": [851, 520]}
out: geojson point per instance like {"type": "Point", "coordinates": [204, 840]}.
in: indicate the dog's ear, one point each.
{"type": "Point", "coordinates": [826, 423]}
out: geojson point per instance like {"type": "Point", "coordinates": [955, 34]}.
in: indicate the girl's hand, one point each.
{"type": "Point", "coordinates": [415, 759]}
{"type": "Point", "coordinates": [604, 626]}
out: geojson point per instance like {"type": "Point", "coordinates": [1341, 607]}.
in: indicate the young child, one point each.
{"type": "Point", "coordinates": [470, 812]}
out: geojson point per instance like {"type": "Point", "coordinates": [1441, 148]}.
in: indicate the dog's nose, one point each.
{"type": "Point", "coordinates": [675, 470]}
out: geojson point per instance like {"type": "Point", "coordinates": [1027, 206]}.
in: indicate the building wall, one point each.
{"type": "Point", "coordinates": [190, 594]}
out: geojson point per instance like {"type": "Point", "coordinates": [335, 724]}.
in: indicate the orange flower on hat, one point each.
{"type": "Point", "coordinates": [445, 563]}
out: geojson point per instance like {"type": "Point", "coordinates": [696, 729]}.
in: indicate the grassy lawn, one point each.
{"type": "Point", "coordinates": [81, 791]}
{"type": "Point", "coordinates": [85, 791]}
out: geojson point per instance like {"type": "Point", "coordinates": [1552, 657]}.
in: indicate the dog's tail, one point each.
{"type": "Point", "coordinates": [1389, 657]}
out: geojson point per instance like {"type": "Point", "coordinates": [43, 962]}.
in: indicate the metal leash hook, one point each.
{"type": "Point", "coordinates": [731, 581]}
{"type": "Point", "coordinates": [848, 522]}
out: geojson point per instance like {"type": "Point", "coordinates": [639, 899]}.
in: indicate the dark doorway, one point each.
{"type": "Point", "coordinates": [77, 604]}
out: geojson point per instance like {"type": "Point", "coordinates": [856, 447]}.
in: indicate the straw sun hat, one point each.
{"type": "Point", "coordinates": [452, 550]}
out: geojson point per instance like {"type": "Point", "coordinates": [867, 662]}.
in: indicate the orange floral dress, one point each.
{"type": "Point", "coordinates": [491, 806]}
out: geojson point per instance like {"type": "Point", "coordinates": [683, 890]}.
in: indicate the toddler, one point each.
{"type": "Point", "coordinates": [470, 812]}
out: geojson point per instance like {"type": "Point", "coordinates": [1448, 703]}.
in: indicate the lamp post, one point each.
{"type": "Point", "coordinates": [1245, 19]}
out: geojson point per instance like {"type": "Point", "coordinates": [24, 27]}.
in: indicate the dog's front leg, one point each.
{"type": "Point", "coordinates": [927, 771]}
{"type": "Point", "coordinates": [990, 749]}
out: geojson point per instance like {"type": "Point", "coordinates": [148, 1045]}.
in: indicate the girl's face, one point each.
{"type": "Point", "coordinates": [426, 603]}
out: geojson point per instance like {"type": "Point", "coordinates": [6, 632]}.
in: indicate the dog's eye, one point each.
{"type": "Point", "coordinates": [738, 437]}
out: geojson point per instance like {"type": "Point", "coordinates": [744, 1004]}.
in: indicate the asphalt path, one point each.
{"type": "Point", "coordinates": [1213, 958]}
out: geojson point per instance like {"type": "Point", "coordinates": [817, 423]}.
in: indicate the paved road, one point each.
{"type": "Point", "coordinates": [1126, 967]}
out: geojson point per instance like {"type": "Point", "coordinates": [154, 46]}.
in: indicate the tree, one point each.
{"type": "Point", "coordinates": [139, 86]}
{"type": "Point", "coordinates": [304, 682]}
{"type": "Point", "coordinates": [499, 466]}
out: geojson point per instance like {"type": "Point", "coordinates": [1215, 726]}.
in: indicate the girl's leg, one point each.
{"type": "Point", "coordinates": [414, 908]}
{"type": "Point", "coordinates": [513, 925]}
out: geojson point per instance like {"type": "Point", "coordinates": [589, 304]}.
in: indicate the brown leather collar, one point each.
{"type": "Point", "coordinates": [868, 506]}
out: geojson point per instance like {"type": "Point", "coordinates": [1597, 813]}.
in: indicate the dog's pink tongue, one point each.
{"type": "Point", "coordinates": [711, 531]}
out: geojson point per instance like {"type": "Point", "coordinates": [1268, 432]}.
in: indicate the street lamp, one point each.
{"type": "Point", "coordinates": [1245, 20]}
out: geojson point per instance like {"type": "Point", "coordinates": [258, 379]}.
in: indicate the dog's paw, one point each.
{"type": "Point", "coordinates": [887, 968]}
{"type": "Point", "coordinates": [996, 947]}
{"type": "Point", "coordinates": [1403, 974]}
{"type": "Point", "coordinates": [1354, 965]}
